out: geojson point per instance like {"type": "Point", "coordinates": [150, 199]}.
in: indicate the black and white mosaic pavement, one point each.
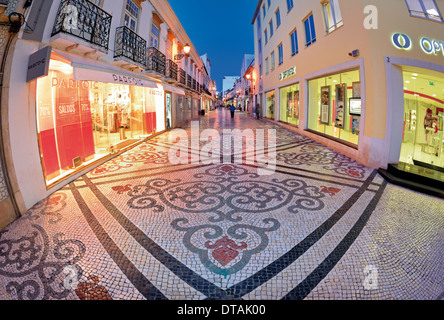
{"type": "Point", "coordinates": [320, 227]}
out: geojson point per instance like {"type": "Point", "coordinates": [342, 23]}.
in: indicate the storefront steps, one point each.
{"type": "Point", "coordinates": [416, 178]}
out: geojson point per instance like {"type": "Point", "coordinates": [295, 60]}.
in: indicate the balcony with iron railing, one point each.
{"type": "Point", "coordinates": [182, 77]}
{"type": "Point", "coordinates": [194, 85]}
{"type": "Point", "coordinates": [130, 46]}
{"type": "Point", "coordinates": [156, 62]}
{"type": "Point", "coordinates": [189, 81]}
{"type": "Point", "coordinates": [84, 24]}
{"type": "Point", "coordinates": [171, 71]}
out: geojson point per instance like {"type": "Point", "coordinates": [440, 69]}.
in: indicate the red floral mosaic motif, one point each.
{"type": "Point", "coordinates": [330, 190]}
{"type": "Point", "coordinates": [226, 168]}
{"type": "Point", "coordinates": [226, 250]}
{"type": "Point", "coordinates": [122, 189]}
{"type": "Point", "coordinates": [92, 291]}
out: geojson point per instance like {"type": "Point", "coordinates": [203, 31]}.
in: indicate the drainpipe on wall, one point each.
{"type": "Point", "coordinates": [16, 21]}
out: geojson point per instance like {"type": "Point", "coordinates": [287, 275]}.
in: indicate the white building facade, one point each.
{"type": "Point", "coordinates": [365, 78]}
{"type": "Point", "coordinates": [90, 79]}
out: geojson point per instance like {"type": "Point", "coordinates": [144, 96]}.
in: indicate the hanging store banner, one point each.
{"type": "Point", "coordinates": [38, 65]}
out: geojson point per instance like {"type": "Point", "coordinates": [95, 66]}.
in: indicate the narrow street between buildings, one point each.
{"type": "Point", "coordinates": [321, 226]}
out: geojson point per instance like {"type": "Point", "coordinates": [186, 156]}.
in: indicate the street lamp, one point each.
{"type": "Point", "coordinates": [186, 50]}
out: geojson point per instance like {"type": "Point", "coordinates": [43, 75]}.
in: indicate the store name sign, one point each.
{"type": "Point", "coordinates": [38, 64]}
{"type": "Point", "coordinates": [289, 73]}
{"type": "Point", "coordinates": [429, 46]}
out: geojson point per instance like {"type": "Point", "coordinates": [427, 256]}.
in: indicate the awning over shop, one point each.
{"type": "Point", "coordinates": [173, 89]}
{"type": "Point", "coordinates": [91, 70]}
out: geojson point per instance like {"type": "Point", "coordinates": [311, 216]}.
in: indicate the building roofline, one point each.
{"type": "Point", "coordinates": [257, 11]}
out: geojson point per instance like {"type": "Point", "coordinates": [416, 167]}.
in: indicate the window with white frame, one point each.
{"type": "Point", "coordinates": [273, 61]}
{"type": "Point", "coordinates": [281, 54]}
{"type": "Point", "coordinates": [155, 34]}
{"type": "Point", "coordinates": [424, 9]}
{"type": "Point", "coordinates": [294, 42]}
{"type": "Point", "coordinates": [131, 15]}
{"type": "Point", "coordinates": [289, 5]}
{"type": "Point", "coordinates": [310, 31]}
{"type": "Point", "coordinates": [278, 18]}
{"type": "Point", "coordinates": [332, 15]}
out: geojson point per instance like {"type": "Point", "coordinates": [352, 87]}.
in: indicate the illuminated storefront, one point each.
{"type": "Point", "coordinates": [289, 104]}
{"type": "Point", "coordinates": [270, 104]}
{"type": "Point", "coordinates": [79, 122]}
{"type": "Point", "coordinates": [422, 141]}
{"type": "Point", "coordinates": [334, 106]}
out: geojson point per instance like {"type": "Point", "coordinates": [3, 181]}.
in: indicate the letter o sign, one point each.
{"type": "Point", "coordinates": [402, 41]}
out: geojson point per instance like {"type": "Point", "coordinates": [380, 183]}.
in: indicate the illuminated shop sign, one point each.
{"type": "Point", "coordinates": [429, 46]}
{"type": "Point", "coordinates": [287, 74]}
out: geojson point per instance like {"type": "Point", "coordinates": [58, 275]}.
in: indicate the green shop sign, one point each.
{"type": "Point", "coordinates": [289, 73]}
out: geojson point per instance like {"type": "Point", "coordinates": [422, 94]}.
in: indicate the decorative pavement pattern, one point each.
{"type": "Point", "coordinates": [321, 227]}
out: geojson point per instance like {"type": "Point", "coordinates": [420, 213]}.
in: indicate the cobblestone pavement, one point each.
{"type": "Point", "coordinates": [138, 227]}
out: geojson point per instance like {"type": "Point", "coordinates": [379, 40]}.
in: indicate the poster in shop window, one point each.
{"type": "Point", "coordinates": [325, 105]}
{"type": "Point", "coordinates": [340, 105]}
{"type": "Point", "coordinates": [290, 104]}
{"type": "Point", "coordinates": [296, 104]}
{"type": "Point", "coordinates": [67, 116]}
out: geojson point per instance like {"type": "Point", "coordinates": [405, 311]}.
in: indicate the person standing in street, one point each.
{"type": "Point", "coordinates": [258, 111]}
{"type": "Point", "coordinates": [232, 110]}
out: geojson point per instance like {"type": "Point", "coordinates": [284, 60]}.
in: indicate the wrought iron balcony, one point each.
{"type": "Point", "coordinates": [156, 61]}
{"type": "Point", "coordinates": [171, 70]}
{"type": "Point", "coordinates": [189, 81]}
{"type": "Point", "coordinates": [85, 20]}
{"type": "Point", "coordinates": [194, 85]}
{"type": "Point", "coordinates": [130, 45]}
{"type": "Point", "coordinates": [183, 77]}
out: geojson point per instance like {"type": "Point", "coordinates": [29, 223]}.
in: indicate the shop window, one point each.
{"type": "Point", "coordinates": [424, 9]}
{"type": "Point", "coordinates": [334, 106]}
{"type": "Point", "coordinates": [281, 54]}
{"type": "Point", "coordinates": [294, 43]}
{"type": "Point", "coordinates": [289, 5]}
{"type": "Point", "coordinates": [80, 122]}
{"type": "Point", "coordinates": [278, 18]}
{"type": "Point", "coordinates": [422, 137]}
{"type": "Point", "coordinates": [131, 15]}
{"type": "Point", "coordinates": [310, 32]}
{"type": "Point", "coordinates": [270, 104]}
{"type": "Point", "coordinates": [332, 15]}
{"type": "Point", "coordinates": [289, 104]}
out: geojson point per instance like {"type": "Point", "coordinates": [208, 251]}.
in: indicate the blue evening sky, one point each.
{"type": "Point", "coordinates": [222, 29]}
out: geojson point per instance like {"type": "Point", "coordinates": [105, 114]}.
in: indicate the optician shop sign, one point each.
{"type": "Point", "coordinates": [429, 46]}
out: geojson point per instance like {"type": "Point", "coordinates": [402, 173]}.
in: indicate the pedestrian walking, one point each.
{"type": "Point", "coordinates": [258, 111]}
{"type": "Point", "coordinates": [232, 110]}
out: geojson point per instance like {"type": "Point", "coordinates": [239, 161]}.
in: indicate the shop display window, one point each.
{"type": "Point", "coordinates": [422, 140]}
{"type": "Point", "coordinates": [289, 104]}
{"type": "Point", "coordinates": [334, 106]}
{"type": "Point", "coordinates": [270, 104]}
{"type": "Point", "coordinates": [80, 122]}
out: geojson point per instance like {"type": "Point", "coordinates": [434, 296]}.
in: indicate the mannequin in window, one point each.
{"type": "Point", "coordinates": [429, 122]}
